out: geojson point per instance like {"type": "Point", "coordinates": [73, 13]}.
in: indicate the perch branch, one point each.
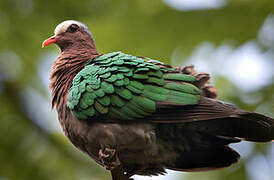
{"type": "Point", "coordinates": [118, 174]}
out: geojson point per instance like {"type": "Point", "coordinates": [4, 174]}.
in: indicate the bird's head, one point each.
{"type": "Point", "coordinates": [70, 33]}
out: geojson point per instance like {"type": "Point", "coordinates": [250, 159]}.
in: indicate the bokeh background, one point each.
{"type": "Point", "coordinates": [231, 39]}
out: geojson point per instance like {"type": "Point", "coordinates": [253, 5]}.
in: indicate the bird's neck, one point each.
{"type": "Point", "coordinates": [78, 45]}
{"type": "Point", "coordinates": [64, 69]}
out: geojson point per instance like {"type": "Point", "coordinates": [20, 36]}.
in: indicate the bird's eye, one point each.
{"type": "Point", "coordinates": [73, 28]}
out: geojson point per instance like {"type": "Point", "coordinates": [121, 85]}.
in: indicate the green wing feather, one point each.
{"type": "Point", "coordinates": [124, 87]}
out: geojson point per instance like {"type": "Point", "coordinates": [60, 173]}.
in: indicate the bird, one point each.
{"type": "Point", "coordinates": [138, 116]}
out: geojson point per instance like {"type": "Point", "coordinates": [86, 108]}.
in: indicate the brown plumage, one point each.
{"type": "Point", "coordinates": [178, 137]}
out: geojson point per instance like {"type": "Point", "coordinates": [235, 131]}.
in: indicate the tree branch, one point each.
{"type": "Point", "coordinates": [118, 174]}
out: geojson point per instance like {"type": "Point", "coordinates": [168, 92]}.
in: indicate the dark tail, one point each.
{"type": "Point", "coordinates": [256, 127]}
{"type": "Point", "coordinates": [245, 125]}
{"type": "Point", "coordinates": [205, 159]}
{"type": "Point", "coordinates": [205, 130]}
{"type": "Point", "coordinates": [219, 119]}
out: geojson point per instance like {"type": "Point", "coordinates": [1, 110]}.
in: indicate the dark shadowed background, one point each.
{"type": "Point", "coordinates": [231, 39]}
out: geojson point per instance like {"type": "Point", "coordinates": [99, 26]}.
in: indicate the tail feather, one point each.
{"type": "Point", "coordinates": [205, 159]}
{"type": "Point", "coordinates": [258, 127]}
{"type": "Point", "coordinates": [220, 119]}
{"type": "Point", "coordinates": [247, 126]}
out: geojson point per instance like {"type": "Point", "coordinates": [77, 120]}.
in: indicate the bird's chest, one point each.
{"type": "Point", "coordinates": [134, 138]}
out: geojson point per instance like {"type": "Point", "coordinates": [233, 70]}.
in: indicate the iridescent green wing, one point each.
{"type": "Point", "coordinates": [117, 86]}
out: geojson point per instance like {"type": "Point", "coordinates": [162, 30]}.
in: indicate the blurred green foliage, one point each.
{"type": "Point", "coordinates": [29, 150]}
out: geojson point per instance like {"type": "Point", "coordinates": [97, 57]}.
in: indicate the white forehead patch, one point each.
{"type": "Point", "coordinates": [63, 26]}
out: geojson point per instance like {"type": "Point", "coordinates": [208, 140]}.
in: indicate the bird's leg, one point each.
{"type": "Point", "coordinates": [109, 158]}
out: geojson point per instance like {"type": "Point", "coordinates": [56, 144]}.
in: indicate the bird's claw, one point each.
{"type": "Point", "coordinates": [109, 158]}
{"type": "Point", "coordinates": [106, 153]}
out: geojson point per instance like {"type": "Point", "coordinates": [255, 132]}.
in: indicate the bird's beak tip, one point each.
{"type": "Point", "coordinates": [49, 41]}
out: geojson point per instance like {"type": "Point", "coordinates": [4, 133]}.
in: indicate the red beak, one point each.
{"type": "Point", "coordinates": [49, 41]}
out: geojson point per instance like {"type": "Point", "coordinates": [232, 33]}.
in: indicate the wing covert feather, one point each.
{"type": "Point", "coordinates": [118, 86]}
